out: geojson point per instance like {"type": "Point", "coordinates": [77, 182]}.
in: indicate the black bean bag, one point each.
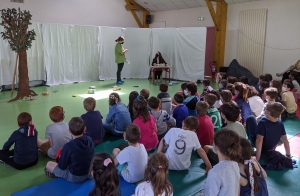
{"type": "Point", "coordinates": [236, 70]}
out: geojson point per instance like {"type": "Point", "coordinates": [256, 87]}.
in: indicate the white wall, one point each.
{"type": "Point", "coordinates": [83, 12]}
{"type": "Point", "coordinates": [283, 29]}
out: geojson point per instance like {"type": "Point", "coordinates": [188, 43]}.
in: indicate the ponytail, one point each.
{"type": "Point", "coordinates": [250, 168]}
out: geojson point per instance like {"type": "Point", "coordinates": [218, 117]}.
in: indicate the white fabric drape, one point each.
{"type": "Point", "coordinates": [183, 49]}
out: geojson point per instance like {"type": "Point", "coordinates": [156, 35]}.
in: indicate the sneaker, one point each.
{"type": "Point", "coordinates": [49, 174]}
{"type": "Point", "coordinates": [279, 74]}
{"type": "Point", "coordinates": [122, 81]}
{"type": "Point", "coordinates": [119, 82]}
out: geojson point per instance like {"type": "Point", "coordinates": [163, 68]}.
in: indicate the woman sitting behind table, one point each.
{"type": "Point", "coordinates": [158, 59]}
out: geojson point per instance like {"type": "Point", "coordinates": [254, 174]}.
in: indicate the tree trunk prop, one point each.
{"type": "Point", "coordinates": [14, 78]}
{"type": "Point", "coordinates": [15, 23]}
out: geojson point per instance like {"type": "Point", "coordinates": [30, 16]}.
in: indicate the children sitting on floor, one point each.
{"type": "Point", "coordinates": [241, 92]}
{"type": "Point", "coordinates": [213, 112]}
{"type": "Point", "coordinates": [146, 123]}
{"type": "Point", "coordinates": [93, 121]}
{"type": "Point", "coordinates": [57, 134]}
{"type": "Point", "coordinates": [206, 88]}
{"type": "Point", "coordinates": [191, 99]}
{"type": "Point", "coordinates": [231, 113]}
{"type": "Point", "coordinates": [253, 176]}
{"type": "Point", "coordinates": [180, 112]}
{"type": "Point", "coordinates": [25, 152]}
{"type": "Point", "coordinates": [205, 130]}
{"type": "Point", "coordinates": [266, 134]}
{"type": "Point", "coordinates": [156, 177]}
{"type": "Point", "coordinates": [178, 145]}
{"type": "Point", "coordinates": [106, 176]}
{"type": "Point", "coordinates": [132, 160]}
{"type": "Point", "coordinates": [224, 178]}
{"type": "Point", "coordinates": [118, 116]}
{"type": "Point", "coordinates": [165, 98]}
{"type": "Point", "coordinates": [76, 157]}
{"type": "Point", "coordinates": [132, 97]}
{"type": "Point", "coordinates": [288, 99]}
{"type": "Point", "coordinates": [163, 119]}
{"type": "Point", "coordinates": [255, 102]}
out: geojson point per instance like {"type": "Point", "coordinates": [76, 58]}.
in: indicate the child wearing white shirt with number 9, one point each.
{"type": "Point", "coordinates": [180, 143]}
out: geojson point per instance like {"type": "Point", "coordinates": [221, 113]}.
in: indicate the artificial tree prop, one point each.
{"type": "Point", "coordinates": [15, 23]}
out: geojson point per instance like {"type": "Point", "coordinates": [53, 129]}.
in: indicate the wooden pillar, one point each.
{"type": "Point", "coordinates": [132, 6]}
{"type": "Point", "coordinates": [220, 20]}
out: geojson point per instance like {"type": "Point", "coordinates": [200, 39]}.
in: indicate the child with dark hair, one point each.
{"type": "Point", "coordinates": [244, 80]}
{"type": "Point", "coordinates": [269, 77]}
{"type": "Point", "coordinates": [132, 97]}
{"type": "Point", "coordinates": [180, 111]}
{"type": "Point", "coordinates": [226, 96]}
{"type": "Point", "coordinates": [252, 181]}
{"type": "Point", "coordinates": [218, 103]}
{"type": "Point", "coordinates": [267, 133]}
{"type": "Point", "coordinates": [260, 78]}
{"type": "Point", "coordinates": [242, 92]}
{"type": "Point", "coordinates": [146, 123]}
{"type": "Point", "coordinates": [288, 99]}
{"type": "Point", "coordinates": [132, 160]}
{"type": "Point", "coordinates": [106, 176]}
{"type": "Point", "coordinates": [255, 102]}
{"type": "Point", "coordinates": [178, 145]}
{"type": "Point", "coordinates": [205, 130]}
{"type": "Point", "coordinates": [25, 152]}
{"type": "Point", "coordinates": [222, 85]}
{"type": "Point", "coordinates": [191, 99]}
{"type": "Point", "coordinates": [223, 178]}
{"type": "Point", "coordinates": [57, 134]}
{"type": "Point", "coordinates": [206, 88]}
{"type": "Point", "coordinates": [76, 156]}
{"type": "Point", "coordinates": [230, 87]}
{"type": "Point", "coordinates": [118, 116]}
{"type": "Point", "coordinates": [93, 121]}
{"type": "Point", "coordinates": [163, 119]}
{"type": "Point", "coordinates": [156, 177]}
{"type": "Point", "coordinates": [145, 93]}
{"type": "Point", "coordinates": [264, 84]}
{"type": "Point", "coordinates": [294, 76]}
{"type": "Point", "coordinates": [213, 112]}
{"type": "Point", "coordinates": [232, 79]}
{"type": "Point", "coordinates": [231, 113]}
{"type": "Point", "coordinates": [183, 87]}
{"type": "Point", "coordinates": [165, 98]}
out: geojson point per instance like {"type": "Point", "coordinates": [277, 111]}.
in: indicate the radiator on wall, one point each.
{"type": "Point", "coordinates": [251, 41]}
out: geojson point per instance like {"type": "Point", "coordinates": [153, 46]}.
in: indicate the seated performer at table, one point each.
{"type": "Point", "coordinates": [158, 59]}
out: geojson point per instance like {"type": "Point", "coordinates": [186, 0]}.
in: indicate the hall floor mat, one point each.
{"type": "Point", "coordinates": [294, 146]}
{"type": "Point", "coordinates": [61, 187]}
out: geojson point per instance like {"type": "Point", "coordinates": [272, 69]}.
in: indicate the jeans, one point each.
{"type": "Point", "coordinates": [251, 125]}
{"type": "Point", "coordinates": [120, 67]}
{"type": "Point", "coordinates": [110, 128]}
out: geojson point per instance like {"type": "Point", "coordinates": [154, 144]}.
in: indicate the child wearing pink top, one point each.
{"type": "Point", "coordinates": [146, 122]}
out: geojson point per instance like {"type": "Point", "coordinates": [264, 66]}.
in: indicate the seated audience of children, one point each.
{"type": "Point", "coordinates": [205, 130]}
{"type": "Point", "coordinates": [180, 111]}
{"type": "Point", "coordinates": [165, 98]}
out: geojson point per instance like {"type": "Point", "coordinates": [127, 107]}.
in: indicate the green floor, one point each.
{"type": "Point", "coordinates": [185, 183]}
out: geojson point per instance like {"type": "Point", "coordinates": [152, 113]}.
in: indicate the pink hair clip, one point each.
{"type": "Point", "coordinates": [106, 162]}
{"type": "Point", "coordinates": [159, 167]}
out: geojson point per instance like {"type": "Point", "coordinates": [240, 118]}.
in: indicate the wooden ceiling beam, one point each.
{"type": "Point", "coordinates": [132, 6]}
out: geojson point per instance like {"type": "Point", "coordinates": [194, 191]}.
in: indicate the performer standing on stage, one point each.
{"type": "Point", "coordinates": [158, 59]}
{"type": "Point", "coordinates": [120, 57]}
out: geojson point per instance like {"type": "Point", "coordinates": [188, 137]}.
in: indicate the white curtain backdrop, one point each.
{"type": "Point", "coordinates": [63, 54]}
{"type": "Point", "coordinates": [183, 49]}
{"type": "Point", "coordinates": [137, 41]}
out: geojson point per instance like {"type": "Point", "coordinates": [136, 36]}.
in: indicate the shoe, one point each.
{"type": "Point", "coordinates": [291, 114]}
{"type": "Point", "coordinates": [49, 174]}
{"type": "Point", "coordinates": [119, 82]}
{"type": "Point", "coordinates": [154, 81]}
{"type": "Point", "coordinates": [122, 81]}
{"type": "Point", "coordinates": [279, 74]}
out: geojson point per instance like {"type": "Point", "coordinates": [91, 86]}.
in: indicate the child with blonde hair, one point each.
{"type": "Point", "coordinates": [156, 178]}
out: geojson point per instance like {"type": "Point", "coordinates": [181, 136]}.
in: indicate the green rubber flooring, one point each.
{"type": "Point", "coordinates": [185, 183]}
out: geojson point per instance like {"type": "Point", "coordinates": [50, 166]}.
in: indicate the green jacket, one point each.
{"type": "Point", "coordinates": [120, 58]}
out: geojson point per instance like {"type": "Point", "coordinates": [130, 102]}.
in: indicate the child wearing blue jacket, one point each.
{"type": "Point", "coordinates": [241, 99]}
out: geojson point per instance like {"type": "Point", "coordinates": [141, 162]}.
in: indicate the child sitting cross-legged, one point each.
{"type": "Point", "coordinates": [57, 134]}
{"type": "Point", "coordinates": [76, 156]}
{"type": "Point", "coordinates": [288, 99]}
{"type": "Point", "coordinates": [180, 111]}
{"type": "Point", "coordinates": [106, 176]}
{"type": "Point", "coordinates": [156, 177]}
{"type": "Point", "coordinates": [205, 130]}
{"type": "Point", "coordinates": [224, 177]}
{"type": "Point", "coordinates": [178, 145]}
{"type": "Point", "coordinates": [25, 152]}
{"type": "Point", "coordinates": [252, 181]}
{"type": "Point", "coordinates": [132, 160]}
{"type": "Point", "coordinates": [213, 112]}
{"type": "Point", "coordinates": [146, 123]}
{"type": "Point", "coordinates": [163, 119]}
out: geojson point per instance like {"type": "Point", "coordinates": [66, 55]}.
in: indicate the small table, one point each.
{"type": "Point", "coordinates": [167, 69]}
